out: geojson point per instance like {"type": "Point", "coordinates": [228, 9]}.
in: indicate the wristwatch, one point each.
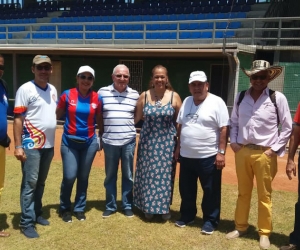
{"type": "Point", "coordinates": [221, 151]}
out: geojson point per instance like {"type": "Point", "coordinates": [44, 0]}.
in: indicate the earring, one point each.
{"type": "Point", "coordinates": [152, 85]}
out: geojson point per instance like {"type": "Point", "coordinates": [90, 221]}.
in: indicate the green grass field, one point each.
{"type": "Point", "coordinates": [120, 232]}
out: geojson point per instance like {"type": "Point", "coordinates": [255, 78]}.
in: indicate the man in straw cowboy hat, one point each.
{"type": "Point", "coordinates": [257, 137]}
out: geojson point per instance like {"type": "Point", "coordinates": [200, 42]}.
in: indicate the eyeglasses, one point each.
{"type": "Point", "coordinates": [192, 116]}
{"type": "Point", "coordinates": [2, 67]}
{"type": "Point", "coordinates": [120, 76]}
{"type": "Point", "coordinates": [45, 67]}
{"type": "Point", "coordinates": [83, 77]}
{"type": "Point", "coordinates": [260, 77]}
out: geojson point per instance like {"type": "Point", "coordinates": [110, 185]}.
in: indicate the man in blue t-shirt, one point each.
{"type": "Point", "coordinates": [3, 130]}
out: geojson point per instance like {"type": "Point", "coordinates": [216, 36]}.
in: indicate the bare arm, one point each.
{"type": "Point", "coordinates": [220, 158]}
{"type": "Point", "coordinates": [176, 104]}
{"type": "Point", "coordinates": [59, 113]}
{"type": "Point", "coordinates": [17, 130]}
{"type": "Point", "coordinates": [99, 120]}
{"type": "Point", "coordinates": [293, 145]}
{"type": "Point", "coordinates": [177, 150]}
{"type": "Point", "coordinates": [138, 115]}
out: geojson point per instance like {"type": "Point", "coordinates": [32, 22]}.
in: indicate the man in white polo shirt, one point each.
{"type": "Point", "coordinates": [202, 137]}
{"type": "Point", "coordinates": [118, 138]}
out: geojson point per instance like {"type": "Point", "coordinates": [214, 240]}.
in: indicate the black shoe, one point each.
{"type": "Point", "coordinates": [182, 223]}
{"type": "Point", "coordinates": [42, 221]}
{"type": "Point", "coordinates": [107, 213]}
{"type": "Point", "coordinates": [80, 215]}
{"type": "Point", "coordinates": [66, 216]}
{"type": "Point", "coordinates": [128, 213]}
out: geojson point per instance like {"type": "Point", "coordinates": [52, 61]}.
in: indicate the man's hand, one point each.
{"type": "Point", "coordinates": [20, 154]}
{"type": "Point", "coordinates": [235, 147]}
{"type": "Point", "coordinates": [220, 161]}
{"type": "Point", "coordinates": [290, 168]}
{"type": "Point", "coordinates": [270, 153]}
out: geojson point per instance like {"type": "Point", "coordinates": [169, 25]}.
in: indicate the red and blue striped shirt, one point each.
{"type": "Point", "coordinates": [80, 112]}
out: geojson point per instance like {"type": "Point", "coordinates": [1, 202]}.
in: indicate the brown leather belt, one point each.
{"type": "Point", "coordinates": [255, 147]}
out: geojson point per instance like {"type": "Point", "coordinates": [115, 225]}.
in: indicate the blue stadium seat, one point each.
{"type": "Point", "coordinates": [108, 36]}
{"type": "Point", "coordinates": [203, 26]}
{"type": "Point", "coordinates": [184, 35]}
{"type": "Point", "coordinates": [239, 15]}
{"type": "Point", "coordinates": [235, 25]}
{"type": "Point", "coordinates": [210, 16]}
{"type": "Point", "coordinates": [137, 36]}
{"type": "Point", "coordinates": [2, 36]}
{"type": "Point", "coordinates": [119, 35]}
{"type": "Point", "coordinates": [165, 35]}
{"type": "Point", "coordinates": [52, 35]}
{"type": "Point", "coordinates": [37, 35]}
{"type": "Point", "coordinates": [119, 27]}
{"type": "Point", "coordinates": [172, 17]}
{"type": "Point", "coordinates": [163, 17]}
{"type": "Point", "coordinates": [2, 29]}
{"type": "Point", "coordinates": [61, 35]}
{"type": "Point", "coordinates": [97, 19]}
{"type": "Point", "coordinates": [229, 33]}
{"type": "Point", "coordinates": [221, 25]}
{"type": "Point", "coordinates": [195, 35]}
{"type": "Point", "coordinates": [219, 34]}
{"type": "Point", "coordinates": [184, 26]}
{"type": "Point", "coordinates": [194, 26]}
{"type": "Point", "coordinates": [206, 34]}
{"type": "Point", "coordinates": [137, 27]}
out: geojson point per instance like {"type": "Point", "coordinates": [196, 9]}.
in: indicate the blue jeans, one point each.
{"type": "Point", "coordinates": [112, 156]}
{"type": "Point", "coordinates": [295, 236]}
{"type": "Point", "coordinates": [76, 164]}
{"type": "Point", "coordinates": [35, 170]}
{"type": "Point", "coordinates": [210, 178]}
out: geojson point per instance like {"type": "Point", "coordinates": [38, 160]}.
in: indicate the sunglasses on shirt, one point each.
{"type": "Point", "coordinates": [261, 77]}
{"type": "Point", "coordinates": [83, 77]}
{"type": "Point", "coordinates": [45, 67]}
{"type": "Point", "coordinates": [1, 67]}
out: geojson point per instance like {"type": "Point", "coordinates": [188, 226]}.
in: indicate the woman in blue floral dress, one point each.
{"type": "Point", "coordinates": [155, 167]}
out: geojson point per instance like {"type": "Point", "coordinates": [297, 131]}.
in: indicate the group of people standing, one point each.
{"type": "Point", "coordinates": [194, 133]}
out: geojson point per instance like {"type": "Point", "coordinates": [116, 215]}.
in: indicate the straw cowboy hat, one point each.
{"type": "Point", "coordinates": [261, 65]}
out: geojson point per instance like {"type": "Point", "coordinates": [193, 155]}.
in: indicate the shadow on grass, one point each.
{"type": "Point", "coordinates": [97, 204]}
{"type": "Point", "coordinates": [3, 222]}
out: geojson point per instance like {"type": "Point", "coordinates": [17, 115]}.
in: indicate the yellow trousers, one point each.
{"type": "Point", "coordinates": [2, 168]}
{"type": "Point", "coordinates": [250, 163]}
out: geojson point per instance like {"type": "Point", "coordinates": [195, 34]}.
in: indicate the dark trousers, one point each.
{"type": "Point", "coordinates": [295, 236]}
{"type": "Point", "coordinates": [210, 179]}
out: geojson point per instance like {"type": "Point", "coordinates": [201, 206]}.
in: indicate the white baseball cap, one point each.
{"type": "Point", "coordinates": [197, 76]}
{"type": "Point", "coordinates": [86, 68]}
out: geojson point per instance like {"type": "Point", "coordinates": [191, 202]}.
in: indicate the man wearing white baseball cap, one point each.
{"type": "Point", "coordinates": [202, 137]}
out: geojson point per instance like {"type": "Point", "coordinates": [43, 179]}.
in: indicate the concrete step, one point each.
{"type": "Point", "coordinates": [260, 6]}
{"type": "Point", "coordinates": [256, 13]}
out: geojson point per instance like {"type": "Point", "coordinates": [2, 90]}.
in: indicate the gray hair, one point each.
{"type": "Point", "coordinates": [119, 66]}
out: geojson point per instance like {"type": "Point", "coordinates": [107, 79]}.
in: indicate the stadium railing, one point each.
{"type": "Point", "coordinates": [248, 31]}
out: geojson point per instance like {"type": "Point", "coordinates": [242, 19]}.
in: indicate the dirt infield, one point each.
{"type": "Point", "coordinates": [281, 181]}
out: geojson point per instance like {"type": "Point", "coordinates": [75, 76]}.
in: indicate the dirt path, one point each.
{"type": "Point", "coordinates": [281, 181]}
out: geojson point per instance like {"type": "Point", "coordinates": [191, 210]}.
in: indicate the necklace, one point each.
{"type": "Point", "coordinates": [158, 99]}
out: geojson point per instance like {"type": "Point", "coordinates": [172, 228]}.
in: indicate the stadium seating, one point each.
{"type": "Point", "coordinates": [94, 12]}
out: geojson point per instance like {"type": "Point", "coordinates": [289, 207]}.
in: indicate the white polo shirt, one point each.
{"type": "Point", "coordinates": [118, 115]}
